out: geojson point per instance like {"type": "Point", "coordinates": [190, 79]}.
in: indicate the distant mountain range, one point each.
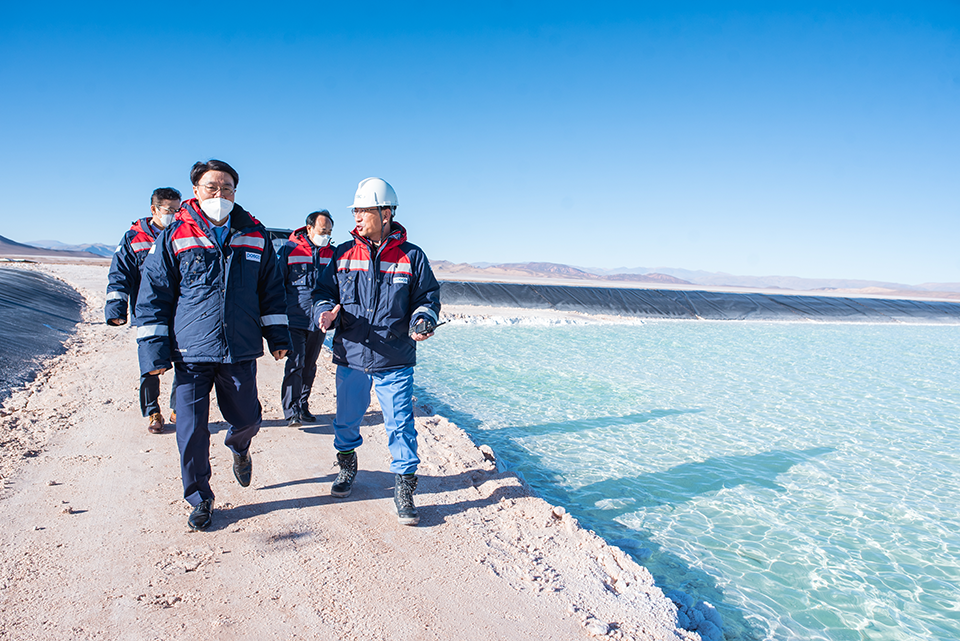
{"type": "Point", "coordinates": [700, 277]}
{"type": "Point", "coordinates": [547, 270]}
{"type": "Point", "coordinates": [13, 249]}
{"type": "Point", "coordinates": [96, 248]}
{"type": "Point", "coordinates": [670, 275]}
{"type": "Point", "coordinates": [662, 275]}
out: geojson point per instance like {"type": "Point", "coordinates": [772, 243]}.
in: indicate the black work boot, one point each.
{"type": "Point", "coordinates": [243, 468]}
{"type": "Point", "coordinates": [348, 471]}
{"type": "Point", "coordinates": [403, 499]}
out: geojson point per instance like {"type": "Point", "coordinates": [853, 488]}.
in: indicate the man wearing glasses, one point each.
{"type": "Point", "coordinates": [211, 293]}
{"type": "Point", "coordinates": [123, 283]}
{"type": "Point", "coordinates": [382, 296]}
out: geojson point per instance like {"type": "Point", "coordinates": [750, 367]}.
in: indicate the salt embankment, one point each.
{"type": "Point", "coordinates": [95, 543]}
{"type": "Point", "coordinates": [696, 304]}
{"type": "Point", "coordinates": [37, 314]}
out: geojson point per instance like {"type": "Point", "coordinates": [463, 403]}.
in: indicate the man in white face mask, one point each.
{"type": "Point", "coordinates": [211, 294]}
{"type": "Point", "coordinates": [304, 256]}
{"type": "Point", "coordinates": [123, 283]}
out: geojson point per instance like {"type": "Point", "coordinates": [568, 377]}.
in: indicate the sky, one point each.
{"type": "Point", "coordinates": [810, 139]}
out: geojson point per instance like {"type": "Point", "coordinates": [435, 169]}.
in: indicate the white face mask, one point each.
{"type": "Point", "coordinates": [320, 241]}
{"type": "Point", "coordinates": [216, 209]}
{"type": "Point", "coordinates": [166, 219]}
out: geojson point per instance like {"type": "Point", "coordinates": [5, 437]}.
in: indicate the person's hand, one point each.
{"type": "Point", "coordinates": [158, 371]}
{"type": "Point", "coordinates": [116, 321]}
{"type": "Point", "coordinates": [423, 329]}
{"type": "Point", "coordinates": [327, 318]}
{"type": "Point", "coordinates": [279, 353]}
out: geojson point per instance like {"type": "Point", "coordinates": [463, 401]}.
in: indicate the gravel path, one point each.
{"type": "Point", "coordinates": [94, 542]}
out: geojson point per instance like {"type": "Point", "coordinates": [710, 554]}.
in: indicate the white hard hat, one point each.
{"type": "Point", "coordinates": [374, 192]}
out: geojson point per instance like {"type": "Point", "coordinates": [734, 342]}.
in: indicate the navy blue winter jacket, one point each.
{"type": "Point", "coordinates": [202, 303]}
{"type": "Point", "coordinates": [300, 264]}
{"type": "Point", "coordinates": [382, 294]}
{"type": "Point", "coordinates": [123, 281]}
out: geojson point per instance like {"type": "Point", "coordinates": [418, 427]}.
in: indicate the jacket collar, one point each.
{"type": "Point", "coordinates": [398, 235]}
{"type": "Point", "coordinates": [143, 226]}
{"type": "Point", "coordinates": [301, 238]}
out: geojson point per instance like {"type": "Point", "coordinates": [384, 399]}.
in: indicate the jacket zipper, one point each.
{"type": "Point", "coordinates": [224, 350]}
{"type": "Point", "coordinates": [374, 273]}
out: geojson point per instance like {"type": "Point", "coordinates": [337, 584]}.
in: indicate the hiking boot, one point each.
{"type": "Point", "coordinates": [348, 471]}
{"type": "Point", "coordinates": [306, 415]}
{"type": "Point", "coordinates": [173, 416]}
{"type": "Point", "coordinates": [403, 498]}
{"type": "Point", "coordinates": [156, 423]}
{"type": "Point", "coordinates": [202, 515]}
{"type": "Point", "coordinates": [294, 421]}
{"type": "Point", "coordinates": [243, 468]}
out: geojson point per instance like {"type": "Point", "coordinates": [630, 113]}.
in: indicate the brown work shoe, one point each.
{"type": "Point", "coordinates": [156, 423]}
{"type": "Point", "coordinates": [173, 416]}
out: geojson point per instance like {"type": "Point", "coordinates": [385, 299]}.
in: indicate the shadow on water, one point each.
{"type": "Point", "coordinates": [566, 427]}
{"type": "Point", "coordinates": [621, 496]}
{"type": "Point", "coordinates": [689, 480]}
{"type": "Point", "coordinates": [599, 504]}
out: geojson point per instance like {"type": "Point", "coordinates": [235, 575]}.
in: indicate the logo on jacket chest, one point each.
{"type": "Point", "coordinates": [254, 256]}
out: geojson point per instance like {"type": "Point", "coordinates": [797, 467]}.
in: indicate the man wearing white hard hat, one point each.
{"type": "Point", "coordinates": [380, 294]}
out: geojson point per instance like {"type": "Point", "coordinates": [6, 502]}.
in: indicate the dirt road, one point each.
{"type": "Point", "coordinates": [94, 542]}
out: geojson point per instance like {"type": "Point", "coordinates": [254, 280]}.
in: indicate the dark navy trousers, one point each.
{"type": "Point", "coordinates": [300, 370]}
{"type": "Point", "coordinates": [150, 394]}
{"type": "Point", "coordinates": [236, 385]}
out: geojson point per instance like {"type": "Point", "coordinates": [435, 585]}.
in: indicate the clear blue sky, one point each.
{"type": "Point", "coordinates": [804, 140]}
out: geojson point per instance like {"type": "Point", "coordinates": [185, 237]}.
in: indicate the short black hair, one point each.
{"type": "Point", "coordinates": [164, 193]}
{"type": "Point", "coordinates": [312, 218]}
{"type": "Point", "coordinates": [200, 168]}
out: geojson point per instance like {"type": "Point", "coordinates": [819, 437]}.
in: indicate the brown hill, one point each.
{"type": "Point", "coordinates": [546, 270]}
{"type": "Point", "coordinates": [646, 278]}
{"type": "Point", "coordinates": [13, 249]}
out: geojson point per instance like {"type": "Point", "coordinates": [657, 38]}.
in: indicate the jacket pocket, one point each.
{"type": "Point", "coordinates": [194, 267]}
{"type": "Point", "coordinates": [300, 276]}
{"type": "Point", "coordinates": [396, 298]}
{"type": "Point", "coordinates": [247, 263]}
{"type": "Point", "coordinates": [347, 282]}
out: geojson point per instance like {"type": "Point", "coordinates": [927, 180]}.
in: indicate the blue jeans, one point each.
{"type": "Point", "coordinates": [395, 393]}
{"type": "Point", "coordinates": [236, 385]}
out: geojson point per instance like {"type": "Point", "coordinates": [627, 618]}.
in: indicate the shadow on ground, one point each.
{"type": "Point", "coordinates": [372, 485]}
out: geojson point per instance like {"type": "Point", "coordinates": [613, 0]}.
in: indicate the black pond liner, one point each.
{"type": "Point", "coordinates": [679, 304]}
{"type": "Point", "coordinates": [37, 314]}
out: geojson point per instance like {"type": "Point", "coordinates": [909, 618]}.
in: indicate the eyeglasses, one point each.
{"type": "Point", "coordinates": [362, 212]}
{"type": "Point", "coordinates": [211, 189]}
{"type": "Point", "coordinates": [167, 210]}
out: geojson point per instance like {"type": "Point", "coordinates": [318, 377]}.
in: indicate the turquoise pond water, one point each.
{"type": "Point", "coordinates": [802, 478]}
